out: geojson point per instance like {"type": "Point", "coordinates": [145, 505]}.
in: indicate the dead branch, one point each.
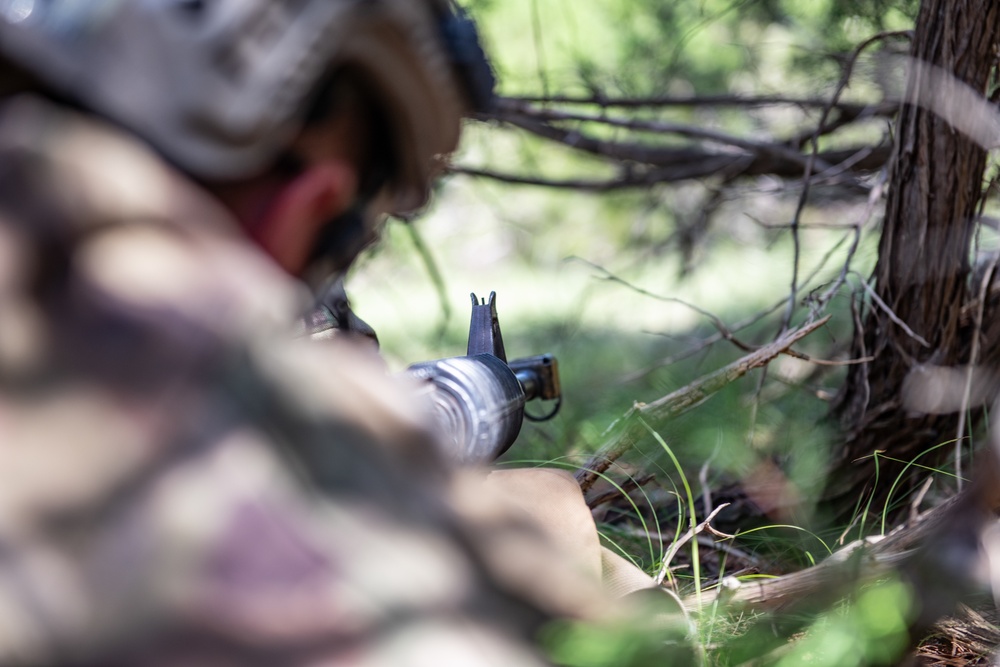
{"type": "Point", "coordinates": [677, 544]}
{"type": "Point", "coordinates": [677, 165]}
{"type": "Point", "coordinates": [656, 127]}
{"type": "Point", "coordinates": [923, 551]}
{"type": "Point", "coordinates": [644, 163]}
{"type": "Point", "coordinates": [744, 159]}
{"type": "Point", "coordinates": [833, 574]}
{"type": "Point", "coordinates": [627, 430]}
{"type": "Point", "coordinates": [519, 102]}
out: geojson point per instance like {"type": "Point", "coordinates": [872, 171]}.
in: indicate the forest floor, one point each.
{"type": "Point", "coordinates": [774, 586]}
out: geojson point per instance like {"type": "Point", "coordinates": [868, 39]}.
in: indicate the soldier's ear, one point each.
{"type": "Point", "coordinates": [320, 192]}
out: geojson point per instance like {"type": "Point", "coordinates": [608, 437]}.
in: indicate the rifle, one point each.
{"type": "Point", "coordinates": [478, 400]}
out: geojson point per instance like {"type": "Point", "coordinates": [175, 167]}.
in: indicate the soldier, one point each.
{"type": "Point", "coordinates": [183, 483]}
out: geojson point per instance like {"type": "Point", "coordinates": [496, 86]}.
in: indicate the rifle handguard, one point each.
{"type": "Point", "coordinates": [478, 400]}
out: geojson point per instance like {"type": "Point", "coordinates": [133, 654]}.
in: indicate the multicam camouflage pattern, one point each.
{"type": "Point", "coordinates": [182, 482]}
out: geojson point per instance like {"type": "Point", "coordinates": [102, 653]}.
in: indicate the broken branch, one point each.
{"type": "Point", "coordinates": [629, 428]}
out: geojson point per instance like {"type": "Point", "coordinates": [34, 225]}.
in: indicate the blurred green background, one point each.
{"type": "Point", "coordinates": [550, 254]}
{"type": "Point", "coordinates": [607, 282]}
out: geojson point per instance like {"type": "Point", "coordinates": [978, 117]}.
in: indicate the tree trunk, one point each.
{"type": "Point", "coordinates": [923, 267]}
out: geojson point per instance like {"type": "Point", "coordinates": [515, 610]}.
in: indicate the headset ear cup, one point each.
{"type": "Point", "coordinates": [461, 38]}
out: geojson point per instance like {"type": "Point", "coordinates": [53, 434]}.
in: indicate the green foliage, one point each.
{"type": "Point", "coordinates": [650, 47]}
{"type": "Point", "coordinates": [659, 636]}
{"type": "Point", "coordinates": [871, 630]}
{"type": "Point", "coordinates": [590, 278]}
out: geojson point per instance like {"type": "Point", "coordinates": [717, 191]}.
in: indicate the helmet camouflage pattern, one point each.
{"type": "Point", "coordinates": [220, 87]}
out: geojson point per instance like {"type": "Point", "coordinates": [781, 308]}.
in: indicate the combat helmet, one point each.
{"type": "Point", "coordinates": [220, 87]}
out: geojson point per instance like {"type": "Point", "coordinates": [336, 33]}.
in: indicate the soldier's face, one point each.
{"type": "Point", "coordinates": [333, 156]}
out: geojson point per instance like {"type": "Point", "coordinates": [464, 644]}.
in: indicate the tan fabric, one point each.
{"type": "Point", "coordinates": [553, 500]}
{"type": "Point", "coordinates": [531, 559]}
{"type": "Point", "coordinates": [620, 576]}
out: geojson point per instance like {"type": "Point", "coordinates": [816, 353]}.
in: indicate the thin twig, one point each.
{"type": "Point", "coordinates": [711, 340]}
{"type": "Point", "coordinates": [810, 165]}
{"type": "Point", "coordinates": [717, 322]}
{"type": "Point", "coordinates": [892, 316]}
{"type": "Point", "coordinates": [873, 198]}
{"type": "Point", "coordinates": [828, 362]}
{"type": "Point", "coordinates": [682, 540]}
{"type": "Point", "coordinates": [728, 549]}
{"type": "Point", "coordinates": [919, 498]}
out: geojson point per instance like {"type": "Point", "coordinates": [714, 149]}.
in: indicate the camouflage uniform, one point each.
{"type": "Point", "coordinates": [185, 484]}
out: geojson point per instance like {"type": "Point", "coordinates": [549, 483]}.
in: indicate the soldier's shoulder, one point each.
{"type": "Point", "coordinates": [129, 297]}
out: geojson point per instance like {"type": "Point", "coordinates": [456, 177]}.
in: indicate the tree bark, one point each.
{"type": "Point", "coordinates": [923, 268]}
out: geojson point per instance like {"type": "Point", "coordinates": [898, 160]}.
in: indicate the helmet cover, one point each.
{"type": "Point", "coordinates": [220, 87]}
